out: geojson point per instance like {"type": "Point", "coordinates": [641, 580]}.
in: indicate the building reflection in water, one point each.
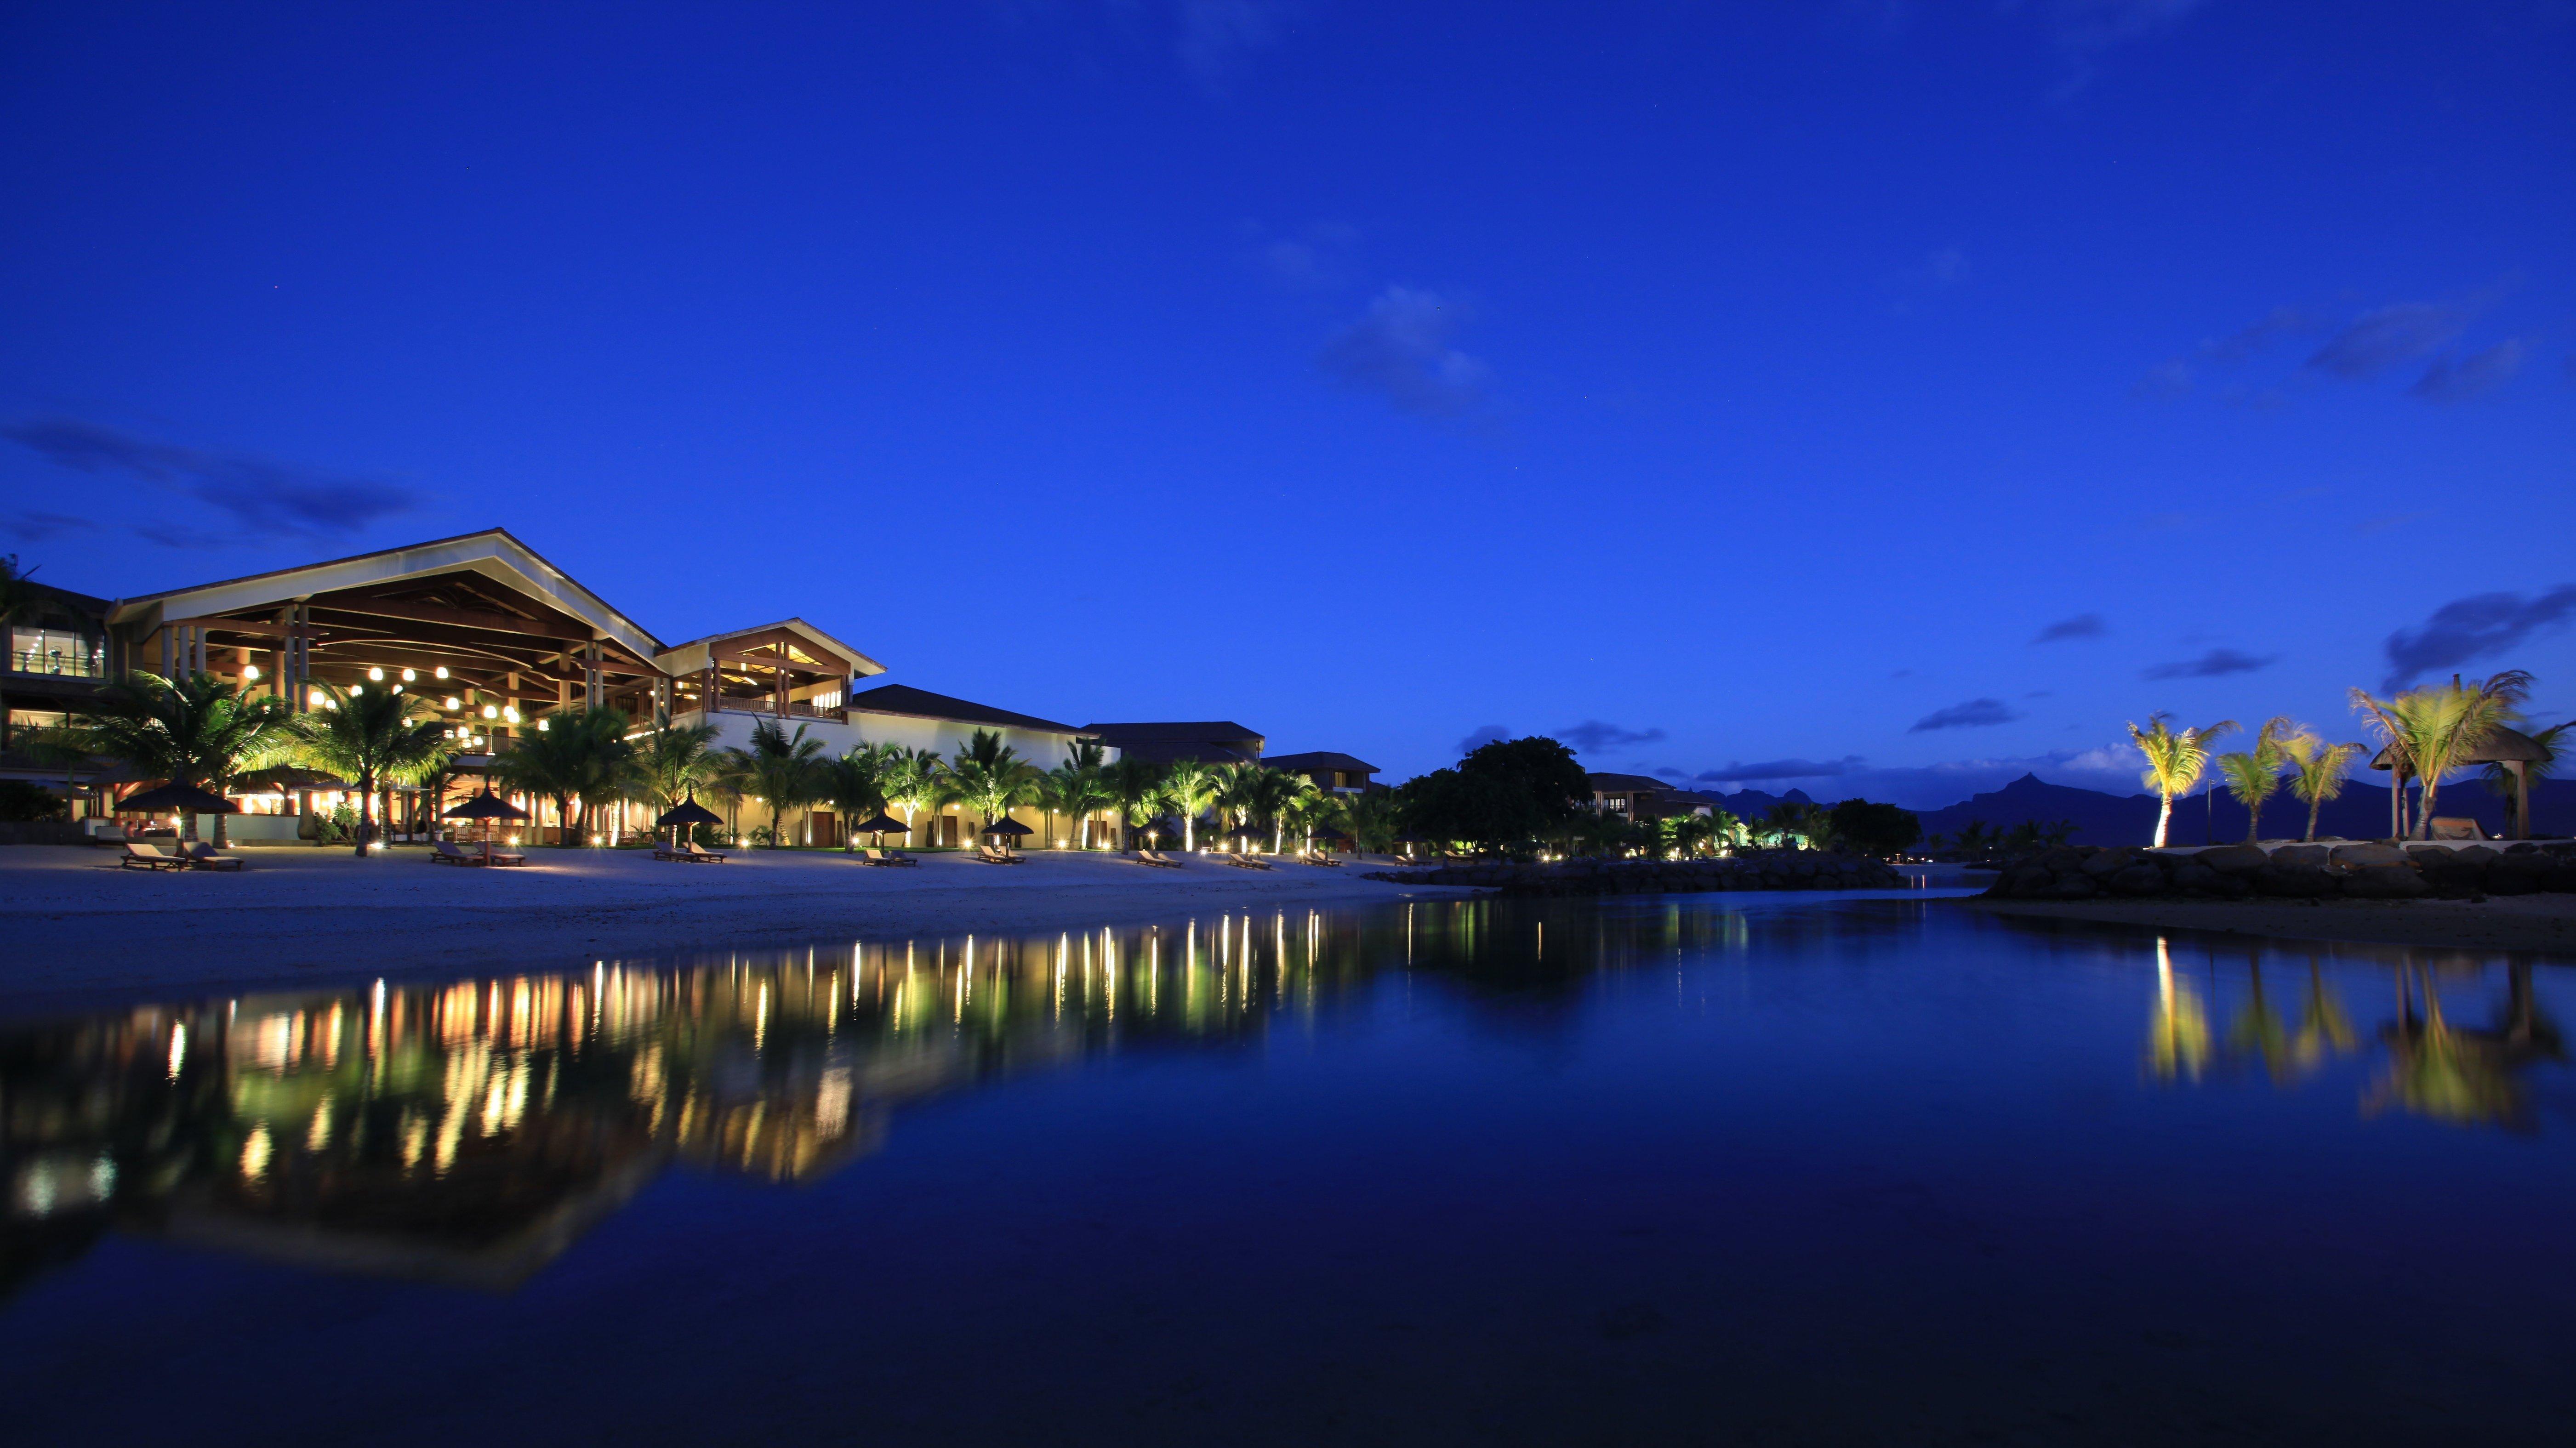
{"type": "Point", "coordinates": [2434, 1064]}
{"type": "Point", "coordinates": [469, 1132]}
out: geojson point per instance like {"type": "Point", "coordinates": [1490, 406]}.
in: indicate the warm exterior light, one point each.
{"type": "Point", "coordinates": [510, 712]}
{"type": "Point", "coordinates": [442, 671]}
{"type": "Point", "coordinates": [408, 676]}
{"type": "Point", "coordinates": [313, 698]}
{"type": "Point", "coordinates": [250, 671]}
{"type": "Point", "coordinates": [453, 701]}
{"type": "Point", "coordinates": [491, 713]}
{"type": "Point", "coordinates": [376, 674]}
{"type": "Point", "coordinates": [397, 688]}
{"type": "Point", "coordinates": [541, 724]}
{"type": "Point", "coordinates": [357, 689]}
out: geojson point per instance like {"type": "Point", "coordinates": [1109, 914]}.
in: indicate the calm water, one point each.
{"type": "Point", "coordinates": [1727, 1170]}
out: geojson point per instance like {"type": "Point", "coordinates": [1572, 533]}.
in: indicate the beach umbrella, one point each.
{"type": "Point", "coordinates": [1008, 826]}
{"type": "Point", "coordinates": [1323, 833]}
{"type": "Point", "coordinates": [688, 813]}
{"type": "Point", "coordinates": [287, 777]}
{"type": "Point", "coordinates": [881, 826]}
{"type": "Point", "coordinates": [486, 807]}
{"type": "Point", "coordinates": [176, 798]}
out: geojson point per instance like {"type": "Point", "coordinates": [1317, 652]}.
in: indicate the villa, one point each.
{"type": "Point", "coordinates": [495, 637]}
{"type": "Point", "coordinates": [1332, 771]}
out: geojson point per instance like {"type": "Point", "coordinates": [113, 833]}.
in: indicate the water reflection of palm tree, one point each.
{"type": "Point", "coordinates": [2438, 1071]}
{"type": "Point", "coordinates": [2324, 1029]}
{"type": "Point", "coordinates": [2260, 1030]}
{"type": "Point", "coordinates": [2178, 1040]}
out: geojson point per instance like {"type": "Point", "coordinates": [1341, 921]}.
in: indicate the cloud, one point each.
{"type": "Point", "coordinates": [2475, 627]}
{"type": "Point", "coordinates": [2170, 378]}
{"type": "Point", "coordinates": [1592, 736]}
{"type": "Point", "coordinates": [36, 527]}
{"type": "Point", "coordinates": [2081, 626]}
{"type": "Point", "coordinates": [1316, 258]}
{"type": "Point", "coordinates": [1402, 349]}
{"type": "Point", "coordinates": [1736, 773]}
{"type": "Point", "coordinates": [2212, 665]}
{"type": "Point", "coordinates": [2378, 340]}
{"type": "Point", "coordinates": [1485, 734]}
{"type": "Point", "coordinates": [1218, 37]}
{"type": "Point", "coordinates": [2274, 325]}
{"type": "Point", "coordinates": [2478, 372]}
{"type": "Point", "coordinates": [1974, 714]}
{"type": "Point", "coordinates": [256, 493]}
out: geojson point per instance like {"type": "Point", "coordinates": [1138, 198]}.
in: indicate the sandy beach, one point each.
{"type": "Point", "coordinates": [81, 932]}
{"type": "Point", "coordinates": [2519, 922]}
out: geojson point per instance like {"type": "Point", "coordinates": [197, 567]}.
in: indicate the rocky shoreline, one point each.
{"type": "Point", "coordinates": [2298, 872]}
{"type": "Point", "coordinates": [1753, 870]}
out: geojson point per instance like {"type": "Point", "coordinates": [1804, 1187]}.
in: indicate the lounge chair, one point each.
{"type": "Point", "coordinates": [1149, 857]}
{"type": "Point", "coordinates": [443, 853]}
{"type": "Point", "coordinates": [2448, 828]}
{"type": "Point", "coordinates": [206, 857]}
{"type": "Point", "coordinates": [1247, 862]}
{"type": "Point", "coordinates": [668, 852]}
{"type": "Point", "coordinates": [1321, 859]}
{"type": "Point", "coordinates": [991, 856]}
{"type": "Point", "coordinates": [140, 856]}
{"type": "Point", "coordinates": [887, 857]}
{"type": "Point", "coordinates": [692, 850]}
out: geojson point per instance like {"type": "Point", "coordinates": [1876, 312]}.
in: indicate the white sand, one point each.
{"type": "Point", "coordinates": [78, 931]}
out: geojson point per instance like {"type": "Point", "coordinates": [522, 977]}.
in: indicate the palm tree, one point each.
{"type": "Point", "coordinates": [2318, 771]}
{"type": "Point", "coordinates": [2174, 761]}
{"type": "Point", "coordinates": [1077, 788]}
{"type": "Point", "coordinates": [911, 781]}
{"type": "Point", "coordinates": [673, 761]}
{"type": "Point", "coordinates": [200, 730]}
{"type": "Point", "coordinates": [1190, 786]}
{"type": "Point", "coordinates": [572, 756]}
{"type": "Point", "coordinates": [2428, 729]}
{"type": "Point", "coordinates": [728, 779]}
{"type": "Point", "coordinates": [2254, 775]}
{"type": "Point", "coordinates": [989, 777]}
{"type": "Point", "coordinates": [2501, 780]}
{"type": "Point", "coordinates": [1135, 786]}
{"type": "Point", "coordinates": [1278, 795]}
{"type": "Point", "coordinates": [372, 736]}
{"type": "Point", "coordinates": [784, 770]}
{"type": "Point", "coordinates": [854, 784]}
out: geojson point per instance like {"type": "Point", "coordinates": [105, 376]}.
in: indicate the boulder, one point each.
{"type": "Point", "coordinates": [2139, 879]}
{"type": "Point", "coordinates": [2078, 886]}
{"type": "Point", "coordinates": [2364, 856]}
{"type": "Point", "coordinates": [2234, 859]}
{"type": "Point", "coordinates": [2194, 878]}
{"type": "Point", "coordinates": [2302, 855]}
{"type": "Point", "coordinates": [2295, 881]}
{"type": "Point", "coordinates": [2519, 874]}
{"type": "Point", "coordinates": [2104, 864]}
{"type": "Point", "coordinates": [2385, 882]}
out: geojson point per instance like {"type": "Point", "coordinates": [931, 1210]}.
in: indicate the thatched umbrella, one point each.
{"type": "Point", "coordinates": [486, 807]}
{"type": "Point", "coordinates": [688, 814]}
{"type": "Point", "coordinates": [176, 799]}
{"type": "Point", "coordinates": [880, 826]}
{"type": "Point", "coordinates": [1007, 826]}
{"type": "Point", "coordinates": [2511, 748]}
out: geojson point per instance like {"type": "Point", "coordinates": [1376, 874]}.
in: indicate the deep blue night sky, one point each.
{"type": "Point", "coordinates": [1719, 387]}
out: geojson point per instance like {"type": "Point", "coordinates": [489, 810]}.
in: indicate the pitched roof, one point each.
{"type": "Point", "coordinates": [1206, 731]}
{"type": "Point", "coordinates": [1625, 783]}
{"type": "Point", "coordinates": [1320, 759]}
{"type": "Point", "coordinates": [858, 663]}
{"type": "Point", "coordinates": [905, 699]}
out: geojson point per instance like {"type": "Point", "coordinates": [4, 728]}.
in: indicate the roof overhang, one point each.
{"type": "Point", "coordinates": [697, 654]}
{"type": "Point", "coordinates": [492, 554]}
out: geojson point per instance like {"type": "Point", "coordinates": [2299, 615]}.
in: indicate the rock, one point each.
{"type": "Point", "coordinates": [2362, 856]}
{"type": "Point", "coordinates": [2302, 855]}
{"type": "Point", "coordinates": [2234, 859]}
{"type": "Point", "coordinates": [2296, 880]}
{"type": "Point", "coordinates": [2476, 855]}
{"type": "Point", "coordinates": [2518, 874]}
{"type": "Point", "coordinates": [2139, 879]}
{"type": "Point", "coordinates": [2193, 878]}
{"type": "Point", "coordinates": [2103, 864]}
{"type": "Point", "coordinates": [2385, 882]}
{"type": "Point", "coordinates": [2077, 886]}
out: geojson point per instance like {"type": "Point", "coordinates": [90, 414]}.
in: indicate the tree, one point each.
{"type": "Point", "coordinates": [854, 785]}
{"type": "Point", "coordinates": [23, 800]}
{"type": "Point", "coordinates": [571, 756]}
{"type": "Point", "coordinates": [1078, 788]}
{"type": "Point", "coordinates": [1135, 786]}
{"type": "Point", "coordinates": [1373, 822]}
{"type": "Point", "coordinates": [374, 737]}
{"type": "Point", "coordinates": [2499, 779]}
{"type": "Point", "coordinates": [2429, 729]}
{"type": "Point", "coordinates": [200, 730]}
{"type": "Point", "coordinates": [911, 780]}
{"type": "Point", "coordinates": [1875, 829]}
{"type": "Point", "coordinates": [1505, 792]}
{"type": "Point", "coordinates": [1190, 786]}
{"type": "Point", "coordinates": [990, 777]}
{"type": "Point", "coordinates": [674, 761]}
{"type": "Point", "coordinates": [784, 770]}
{"type": "Point", "coordinates": [2317, 771]}
{"type": "Point", "coordinates": [2254, 775]}
{"type": "Point", "coordinates": [1797, 822]}
{"type": "Point", "coordinates": [2174, 761]}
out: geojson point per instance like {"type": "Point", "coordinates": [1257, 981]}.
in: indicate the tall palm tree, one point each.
{"type": "Point", "coordinates": [2429, 729]}
{"type": "Point", "coordinates": [1077, 789]}
{"type": "Point", "coordinates": [199, 730]}
{"type": "Point", "coordinates": [854, 784]}
{"type": "Point", "coordinates": [1191, 787]}
{"type": "Point", "coordinates": [911, 781]}
{"type": "Point", "coordinates": [1373, 821]}
{"type": "Point", "coordinates": [375, 737]}
{"type": "Point", "coordinates": [1278, 796]}
{"type": "Point", "coordinates": [2254, 775]}
{"type": "Point", "coordinates": [2317, 772]}
{"type": "Point", "coordinates": [2501, 781]}
{"type": "Point", "coordinates": [2174, 761]}
{"type": "Point", "coordinates": [989, 777]}
{"type": "Point", "coordinates": [784, 770]}
{"type": "Point", "coordinates": [672, 761]}
{"type": "Point", "coordinates": [573, 757]}
{"type": "Point", "coordinates": [1136, 788]}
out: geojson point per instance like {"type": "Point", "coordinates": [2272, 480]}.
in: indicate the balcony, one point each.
{"type": "Point", "coordinates": [57, 663]}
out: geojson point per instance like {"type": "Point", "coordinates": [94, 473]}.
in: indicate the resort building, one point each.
{"type": "Point", "coordinates": [1642, 797]}
{"type": "Point", "coordinates": [1332, 772]}
{"type": "Point", "coordinates": [496, 638]}
{"type": "Point", "coordinates": [1215, 741]}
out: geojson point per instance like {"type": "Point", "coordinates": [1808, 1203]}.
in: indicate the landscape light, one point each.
{"type": "Point", "coordinates": [250, 671]}
{"type": "Point", "coordinates": [397, 688]}
{"type": "Point", "coordinates": [541, 725]}
{"type": "Point", "coordinates": [491, 713]}
{"type": "Point", "coordinates": [442, 671]}
{"type": "Point", "coordinates": [357, 689]}
{"type": "Point", "coordinates": [376, 674]}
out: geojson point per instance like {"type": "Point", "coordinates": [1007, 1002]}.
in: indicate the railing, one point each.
{"type": "Point", "coordinates": [56, 662]}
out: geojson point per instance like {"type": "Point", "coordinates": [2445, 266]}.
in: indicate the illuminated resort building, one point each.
{"type": "Point", "coordinates": [496, 638]}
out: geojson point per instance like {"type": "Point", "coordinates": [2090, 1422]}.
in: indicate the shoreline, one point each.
{"type": "Point", "coordinates": [81, 933]}
{"type": "Point", "coordinates": [2510, 923]}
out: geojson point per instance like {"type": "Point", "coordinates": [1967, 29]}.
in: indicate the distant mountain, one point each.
{"type": "Point", "coordinates": [2110, 819]}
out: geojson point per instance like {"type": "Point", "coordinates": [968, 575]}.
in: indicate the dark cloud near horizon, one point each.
{"type": "Point", "coordinates": [1593, 736]}
{"type": "Point", "coordinates": [2480, 371]}
{"type": "Point", "coordinates": [1484, 735]}
{"type": "Point", "coordinates": [1403, 350]}
{"type": "Point", "coordinates": [257, 493]}
{"type": "Point", "coordinates": [38, 527]}
{"type": "Point", "coordinates": [2211, 665]}
{"type": "Point", "coordinates": [1974, 714]}
{"type": "Point", "coordinates": [2081, 626]}
{"type": "Point", "coordinates": [2475, 627]}
{"type": "Point", "coordinates": [1737, 773]}
{"type": "Point", "coordinates": [2377, 340]}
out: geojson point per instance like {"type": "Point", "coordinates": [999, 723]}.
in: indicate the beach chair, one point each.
{"type": "Point", "coordinates": [991, 856]}
{"type": "Point", "coordinates": [140, 856]}
{"type": "Point", "coordinates": [206, 857]}
{"type": "Point", "coordinates": [1322, 859]}
{"type": "Point", "coordinates": [492, 856]}
{"type": "Point", "coordinates": [697, 853]}
{"type": "Point", "coordinates": [1157, 860]}
{"type": "Point", "coordinates": [887, 857]}
{"type": "Point", "coordinates": [668, 852]}
{"type": "Point", "coordinates": [443, 853]}
{"type": "Point", "coordinates": [2447, 828]}
{"type": "Point", "coordinates": [1248, 862]}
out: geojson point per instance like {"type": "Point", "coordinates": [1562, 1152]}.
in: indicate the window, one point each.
{"type": "Point", "coordinates": [42, 649]}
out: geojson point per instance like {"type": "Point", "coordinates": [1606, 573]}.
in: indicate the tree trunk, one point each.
{"type": "Point", "coordinates": [2315, 803]}
{"type": "Point", "coordinates": [2424, 808]}
{"type": "Point", "coordinates": [2254, 823]}
{"type": "Point", "coordinates": [2164, 817]}
{"type": "Point", "coordinates": [366, 808]}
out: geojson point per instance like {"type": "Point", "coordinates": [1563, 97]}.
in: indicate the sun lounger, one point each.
{"type": "Point", "coordinates": [1149, 857]}
{"type": "Point", "coordinates": [887, 857]}
{"type": "Point", "coordinates": [1247, 862]}
{"type": "Point", "coordinates": [2447, 828]}
{"type": "Point", "coordinates": [991, 856]}
{"type": "Point", "coordinates": [443, 853]}
{"type": "Point", "coordinates": [206, 857]}
{"type": "Point", "coordinates": [139, 856]}
{"type": "Point", "coordinates": [693, 851]}
{"type": "Point", "coordinates": [669, 852]}
{"type": "Point", "coordinates": [1325, 860]}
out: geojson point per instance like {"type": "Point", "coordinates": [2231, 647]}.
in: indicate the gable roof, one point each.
{"type": "Point", "coordinates": [1320, 759]}
{"type": "Point", "coordinates": [1626, 783]}
{"type": "Point", "coordinates": [921, 703]}
{"type": "Point", "coordinates": [692, 656]}
{"type": "Point", "coordinates": [492, 553]}
{"type": "Point", "coordinates": [1205, 731]}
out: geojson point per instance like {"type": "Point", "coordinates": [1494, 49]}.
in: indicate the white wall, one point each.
{"type": "Point", "coordinates": [945, 736]}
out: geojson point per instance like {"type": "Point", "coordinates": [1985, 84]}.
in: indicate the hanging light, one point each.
{"type": "Point", "coordinates": [442, 671]}
{"type": "Point", "coordinates": [491, 713]}
{"type": "Point", "coordinates": [408, 676]}
{"type": "Point", "coordinates": [250, 672]}
{"type": "Point", "coordinates": [376, 674]}
{"type": "Point", "coordinates": [510, 712]}
{"type": "Point", "coordinates": [453, 701]}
